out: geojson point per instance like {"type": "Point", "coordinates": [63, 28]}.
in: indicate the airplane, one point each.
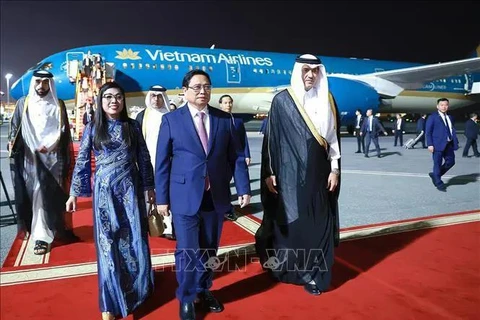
{"type": "Point", "coordinates": [252, 78]}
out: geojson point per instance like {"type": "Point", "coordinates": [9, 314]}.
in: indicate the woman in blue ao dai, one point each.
{"type": "Point", "coordinates": [123, 172]}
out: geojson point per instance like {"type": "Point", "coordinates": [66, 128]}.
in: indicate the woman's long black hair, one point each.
{"type": "Point", "coordinates": [100, 123]}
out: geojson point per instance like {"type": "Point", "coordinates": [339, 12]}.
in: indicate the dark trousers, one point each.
{"type": "Point", "coordinates": [398, 134]}
{"type": "Point", "coordinates": [369, 138]}
{"type": "Point", "coordinates": [198, 237]}
{"type": "Point", "coordinates": [440, 169]}
{"type": "Point", "coordinates": [473, 144]}
{"type": "Point", "coordinates": [360, 141]}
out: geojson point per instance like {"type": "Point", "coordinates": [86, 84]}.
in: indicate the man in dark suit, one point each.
{"type": "Point", "coordinates": [442, 142]}
{"type": "Point", "coordinates": [421, 131]}
{"type": "Point", "coordinates": [226, 104]}
{"type": "Point", "coordinates": [358, 128]}
{"type": "Point", "coordinates": [471, 132]}
{"type": "Point", "coordinates": [88, 115]}
{"type": "Point", "coordinates": [371, 129]}
{"type": "Point", "coordinates": [398, 130]}
{"type": "Point", "coordinates": [196, 145]}
{"type": "Point", "coordinates": [263, 128]}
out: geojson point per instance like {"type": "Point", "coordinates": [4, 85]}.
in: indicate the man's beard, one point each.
{"type": "Point", "coordinates": [41, 92]}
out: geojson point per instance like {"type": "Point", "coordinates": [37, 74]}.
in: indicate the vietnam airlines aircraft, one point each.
{"type": "Point", "coordinates": [252, 78]}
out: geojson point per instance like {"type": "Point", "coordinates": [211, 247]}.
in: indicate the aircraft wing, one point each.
{"type": "Point", "coordinates": [391, 83]}
{"type": "Point", "coordinates": [421, 74]}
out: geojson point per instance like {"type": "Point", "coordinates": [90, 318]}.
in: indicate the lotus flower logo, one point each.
{"type": "Point", "coordinates": [128, 55]}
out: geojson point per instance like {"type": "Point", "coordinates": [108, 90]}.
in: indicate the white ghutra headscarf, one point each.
{"type": "Point", "coordinates": [42, 123]}
{"type": "Point", "coordinates": [152, 119]}
{"type": "Point", "coordinates": [316, 102]}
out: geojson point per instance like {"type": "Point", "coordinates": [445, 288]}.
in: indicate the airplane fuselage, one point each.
{"type": "Point", "coordinates": [252, 78]}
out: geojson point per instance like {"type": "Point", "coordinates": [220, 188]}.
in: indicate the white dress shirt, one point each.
{"type": "Point", "coordinates": [444, 116]}
{"type": "Point", "coordinates": [206, 118]}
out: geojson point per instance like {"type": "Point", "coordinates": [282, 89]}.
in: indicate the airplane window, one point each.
{"type": "Point", "coordinates": [210, 68]}
{"type": "Point", "coordinates": [267, 71]}
{"type": "Point", "coordinates": [169, 67]}
{"type": "Point", "coordinates": [197, 68]}
{"type": "Point", "coordinates": [132, 65]}
{"type": "Point", "coordinates": [147, 65]}
{"type": "Point", "coordinates": [190, 68]}
{"type": "Point", "coordinates": [272, 71]}
{"type": "Point", "coordinates": [290, 72]}
{"type": "Point", "coordinates": [204, 68]}
{"type": "Point", "coordinates": [176, 67]}
{"type": "Point", "coordinates": [255, 70]}
{"type": "Point", "coordinates": [154, 66]}
{"type": "Point", "coordinates": [284, 71]}
{"type": "Point", "coordinates": [140, 66]}
{"type": "Point", "coordinates": [162, 66]}
{"type": "Point", "coordinates": [279, 71]}
{"type": "Point", "coordinates": [261, 71]}
{"type": "Point", "coordinates": [124, 65]}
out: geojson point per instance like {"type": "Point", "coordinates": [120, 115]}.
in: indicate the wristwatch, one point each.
{"type": "Point", "coordinates": [336, 171]}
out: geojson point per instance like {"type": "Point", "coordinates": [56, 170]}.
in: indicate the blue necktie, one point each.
{"type": "Point", "coordinates": [448, 129]}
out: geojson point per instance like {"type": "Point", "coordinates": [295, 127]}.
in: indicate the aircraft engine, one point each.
{"type": "Point", "coordinates": [351, 95]}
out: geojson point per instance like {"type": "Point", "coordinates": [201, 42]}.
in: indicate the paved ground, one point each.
{"type": "Point", "coordinates": [394, 187]}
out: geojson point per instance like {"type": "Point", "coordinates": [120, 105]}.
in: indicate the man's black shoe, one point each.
{"type": "Point", "coordinates": [232, 216]}
{"type": "Point", "coordinates": [210, 302]}
{"type": "Point", "coordinates": [442, 188]}
{"type": "Point", "coordinates": [187, 311]}
{"type": "Point", "coordinates": [312, 289]}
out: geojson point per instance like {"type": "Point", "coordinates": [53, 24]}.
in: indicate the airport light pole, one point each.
{"type": "Point", "coordinates": [7, 77]}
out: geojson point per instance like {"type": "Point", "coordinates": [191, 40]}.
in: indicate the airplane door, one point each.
{"type": "Point", "coordinates": [109, 71]}
{"type": "Point", "coordinates": [468, 82]}
{"type": "Point", "coordinates": [233, 72]}
{"type": "Point", "coordinates": [74, 60]}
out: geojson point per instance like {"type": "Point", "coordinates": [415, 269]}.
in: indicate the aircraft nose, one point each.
{"type": "Point", "coordinates": [17, 89]}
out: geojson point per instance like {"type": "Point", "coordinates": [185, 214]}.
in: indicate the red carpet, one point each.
{"type": "Point", "coordinates": [424, 274]}
{"type": "Point", "coordinates": [84, 251]}
{"type": "Point", "coordinates": [21, 256]}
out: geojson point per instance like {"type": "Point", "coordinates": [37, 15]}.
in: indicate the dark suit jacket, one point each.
{"type": "Point", "coordinates": [471, 129]}
{"type": "Point", "coordinates": [402, 125]}
{"type": "Point", "coordinates": [263, 128]}
{"type": "Point", "coordinates": [362, 119]}
{"type": "Point", "coordinates": [421, 125]}
{"type": "Point", "coordinates": [376, 127]}
{"type": "Point", "coordinates": [181, 163]}
{"type": "Point", "coordinates": [85, 117]}
{"type": "Point", "coordinates": [436, 132]}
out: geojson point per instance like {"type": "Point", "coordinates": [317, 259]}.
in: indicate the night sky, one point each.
{"type": "Point", "coordinates": [425, 32]}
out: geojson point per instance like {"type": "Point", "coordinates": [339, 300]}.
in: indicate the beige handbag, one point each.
{"type": "Point", "coordinates": [155, 222]}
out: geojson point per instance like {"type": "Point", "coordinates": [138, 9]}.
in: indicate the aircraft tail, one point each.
{"type": "Point", "coordinates": [475, 76]}
{"type": "Point", "coordinates": [475, 53]}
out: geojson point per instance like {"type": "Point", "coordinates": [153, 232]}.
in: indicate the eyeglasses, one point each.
{"type": "Point", "coordinates": [197, 88]}
{"type": "Point", "coordinates": [117, 97]}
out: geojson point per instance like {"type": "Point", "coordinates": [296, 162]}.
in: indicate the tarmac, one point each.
{"type": "Point", "coordinates": [373, 190]}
